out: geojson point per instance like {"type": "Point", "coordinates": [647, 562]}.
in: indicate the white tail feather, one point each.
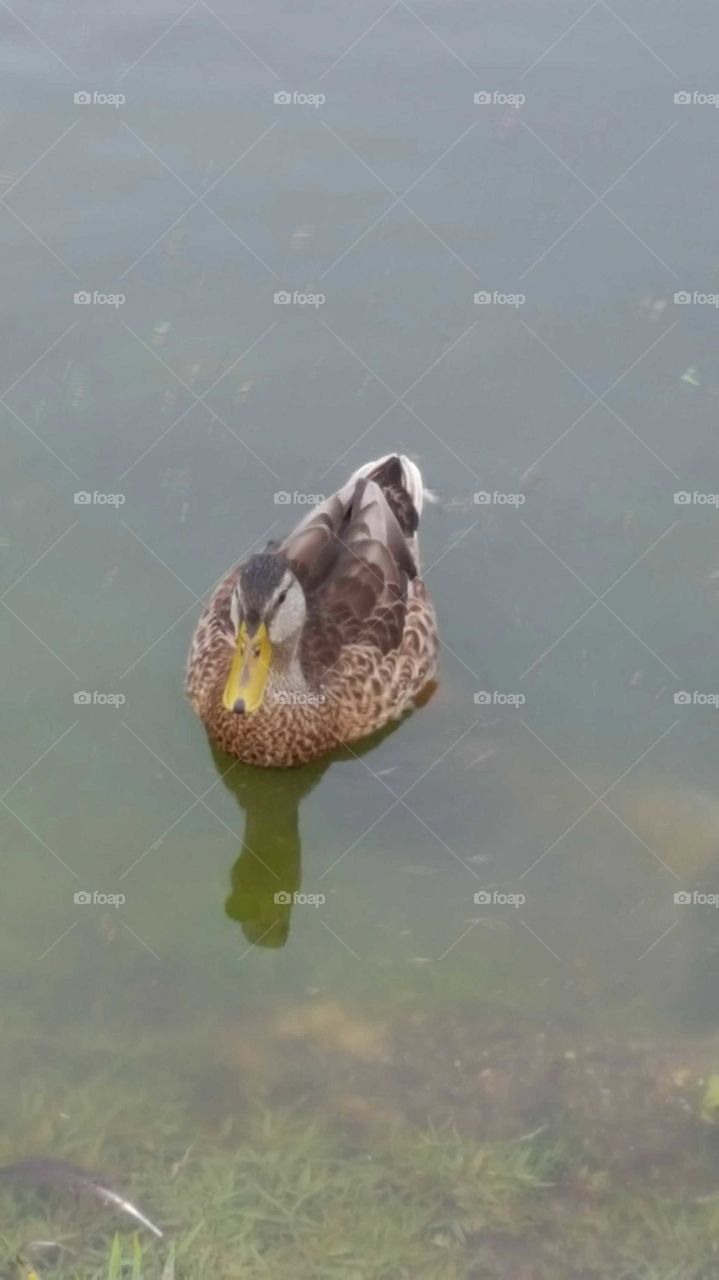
{"type": "Point", "coordinates": [411, 475]}
{"type": "Point", "coordinates": [413, 483]}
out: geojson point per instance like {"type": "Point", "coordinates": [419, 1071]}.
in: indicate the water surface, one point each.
{"type": "Point", "coordinates": [576, 602]}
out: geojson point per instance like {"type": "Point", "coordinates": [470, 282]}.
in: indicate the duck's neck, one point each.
{"type": "Point", "coordinates": [286, 675]}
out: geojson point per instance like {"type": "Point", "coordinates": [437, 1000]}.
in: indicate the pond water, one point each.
{"type": "Point", "coordinates": [492, 233]}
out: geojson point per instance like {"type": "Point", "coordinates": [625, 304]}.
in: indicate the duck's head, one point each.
{"type": "Point", "coordinates": [268, 611]}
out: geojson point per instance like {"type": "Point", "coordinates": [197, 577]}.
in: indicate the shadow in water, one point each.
{"type": "Point", "coordinates": [268, 871]}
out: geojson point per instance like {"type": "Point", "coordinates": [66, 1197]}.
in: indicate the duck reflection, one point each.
{"type": "Point", "coordinates": [268, 871]}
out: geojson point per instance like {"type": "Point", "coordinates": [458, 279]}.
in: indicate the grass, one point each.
{"type": "Point", "coordinates": [249, 1187]}
{"type": "Point", "coordinates": [277, 1196]}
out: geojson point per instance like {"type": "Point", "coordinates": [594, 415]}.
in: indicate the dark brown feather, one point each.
{"type": "Point", "coordinates": [354, 564]}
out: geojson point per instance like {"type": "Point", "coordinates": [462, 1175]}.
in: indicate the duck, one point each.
{"type": "Point", "coordinates": [325, 636]}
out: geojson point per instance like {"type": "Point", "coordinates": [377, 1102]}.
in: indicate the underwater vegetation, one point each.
{"type": "Point", "coordinates": [385, 1175]}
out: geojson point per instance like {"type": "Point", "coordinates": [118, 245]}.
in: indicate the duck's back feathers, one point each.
{"type": "Point", "coordinates": [386, 495]}
{"type": "Point", "coordinates": [353, 555]}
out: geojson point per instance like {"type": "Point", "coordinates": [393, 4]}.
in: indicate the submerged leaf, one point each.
{"type": "Point", "coordinates": [58, 1173]}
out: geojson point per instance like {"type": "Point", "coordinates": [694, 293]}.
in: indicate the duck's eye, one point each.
{"type": "Point", "coordinates": [282, 597]}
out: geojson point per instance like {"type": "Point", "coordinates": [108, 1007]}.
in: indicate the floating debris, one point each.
{"type": "Point", "coordinates": [508, 124]}
{"type": "Point", "coordinates": [107, 928]}
{"type": "Point", "coordinates": [652, 308]}
{"type": "Point", "coordinates": [465, 503]}
{"type": "Point", "coordinates": [179, 1165]}
{"type": "Point", "coordinates": [177, 480]}
{"type": "Point", "coordinates": [243, 391]}
{"type": "Point", "coordinates": [480, 759]}
{"type": "Point", "coordinates": [160, 332]}
{"type": "Point", "coordinates": [193, 373]}
{"type": "Point", "coordinates": [301, 236]}
{"type": "Point", "coordinates": [58, 1173]}
{"type": "Point", "coordinates": [530, 479]}
{"type": "Point", "coordinates": [690, 376]}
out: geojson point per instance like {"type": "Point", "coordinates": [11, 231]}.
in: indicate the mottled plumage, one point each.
{"type": "Point", "coordinates": [328, 634]}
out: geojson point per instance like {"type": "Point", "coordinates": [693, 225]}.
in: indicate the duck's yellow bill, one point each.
{"type": "Point", "coordinates": [245, 687]}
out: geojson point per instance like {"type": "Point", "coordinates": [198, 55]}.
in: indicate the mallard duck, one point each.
{"type": "Point", "coordinates": [325, 636]}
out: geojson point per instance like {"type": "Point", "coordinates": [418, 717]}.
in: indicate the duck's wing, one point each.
{"type": "Point", "coordinates": [354, 563]}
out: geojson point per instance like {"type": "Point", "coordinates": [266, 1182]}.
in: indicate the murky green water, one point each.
{"type": "Point", "coordinates": [553, 772]}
